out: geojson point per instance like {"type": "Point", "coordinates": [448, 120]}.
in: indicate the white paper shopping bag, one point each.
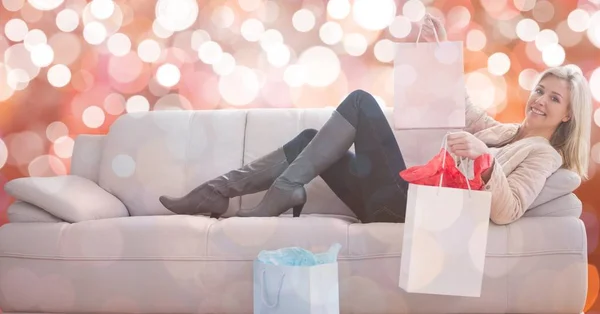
{"type": "Point", "coordinates": [429, 85]}
{"type": "Point", "coordinates": [445, 240]}
{"type": "Point", "coordinates": [296, 289]}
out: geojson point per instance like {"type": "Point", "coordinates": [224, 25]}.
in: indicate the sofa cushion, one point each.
{"type": "Point", "coordinates": [71, 198]}
{"type": "Point", "coordinates": [566, 205]}
{"type": "Point", "coordinates": [20, 211]}
{"type": "Point", "coordinates": [156, 153]}
{"type": "Point", "coordinates": [560, 183]}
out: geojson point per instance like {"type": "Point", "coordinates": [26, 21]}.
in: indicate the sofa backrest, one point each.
{"type": "Point", "coordinates": [146, 155]}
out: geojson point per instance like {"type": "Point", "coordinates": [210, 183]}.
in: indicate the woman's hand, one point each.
{"type": "Point", "coordinates": [466, 145]}
{"type": "Point", "coordinates": [430, 23]}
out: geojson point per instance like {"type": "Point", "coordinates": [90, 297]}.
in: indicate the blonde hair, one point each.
{"type": "Point", "coordinates": [572, 138]}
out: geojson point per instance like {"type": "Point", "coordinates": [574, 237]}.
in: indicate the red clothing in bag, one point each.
{"type": "Point", "coordinates": [429, 174]}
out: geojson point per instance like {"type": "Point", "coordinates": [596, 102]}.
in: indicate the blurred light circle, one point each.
{"type": "Point", "coordinates": [102, 9]}
{"type": "Point", "coordinates": [94, 33]}
{"type": "Point", "coordinates": [67, 20]}
{"type": "Point", "coordinates": [210, 52]}
{"type": "Point", "coordinates": [33, 38]}
{"type": "Point", "coordinates": [543, 11]}
{"type": "Point", "coordinates": [303, 20]}
{"type": "Point", "coordinates": [596, 147]}
{"type": "Point", "coordinates": [593, 32]}
{"type": "Point", "coordinates": [553, 55]}
{"type": "Point", "coordinates": [18, 79]}
{"type": "Point", "coordinates": [24, 147]}
{"type": "Point", "coordinates": [67, 47]}
{"type": "Point", "coordinates": [527, 78]}
{"type": "Point", "coordinates": [459, 17]}
{"type": "Point", "coordinates": [20, 66]}
{"type": "Point", "coordinates": [46, 166]}
{"type": "Point", "coordinates": [59, 75]}
{"type": "Point", "coordinates": [355, 44]}
{"type": "Point", "coordinates": [6, 91]}
{"type": "Point", "coordinates": [123, 165]}
{"type": "Point", "coordinates": [251, 30]}
{"type": "Point", "coordinates": [149, 50]}
{"type": "Point", "coordinates": [566, 36]}
{"type": "Point", "coordinates": [374, 15]}
{"type": "Point", "coordinates": [239, 87]}
{"type": "Point", "coordinates": [137, 103]}
{"type": "Point", "coordinates": [3, 153]}
{"type": "Point", "coordinates": [595, 84]}
{"type": "Point", "coordinates": [527, 30]}
{"type": "Point", "coordinates": [414, 10]}
{"type": "Point", "coordinates": [114, 104]}
{"type": "Point", "coordinates": [546, 37]}
{"type": "Point", "coordinates": [268, 11]}
{"type": "Point", "coordinates": [481, 89]}
{"type": "Point", "coordinates": [223, 16]}
{"type": "Point", "coordinates": [269, 38]}
{"type": "Point", "coordinates": [160, 31]}
{"type": "Point", "coordinates": [200, 36]}
{"type": "Point", "coordinates": [63, 147]}
{"type": "Point", "coordinates": [16, 30]}
{"type": "Point", "coordinates": [331, 33]}
{"type": "Point", "coordinates": [498, 64]}
{"type": "Point", "coordinates": [321, 65]}
{"type": "Point", "coordinates": [42, 55]}
{"type": "Point", "coordinates": [172, 102]}
{"type": "Point", "coordinates": [338, 9]}
{"type": "Point", "coordinates": [125, 69]}
{"type": "Point", "coordinates": [400, 27]}
{"type": "Point", "coordinates": [385, 50]}
{"type": "Point", "coordinates": [176, 15]}
{"type": "Point", "coordinates": [279, 55]}
{"type": "Point", "coordinates": [119, 44]}
{"type": "Point", "coordinates": [250, 5]}
{"type": "Point", "coordinates": [13, 5]}
{"type": "Point", "coordinates": [93, 117]}
{"type": "Point", "coordinates": [524, 5]}
{"type": "Point", "coordinates": [56, 130]}
{"type": "Point", "coordinates": [294, 75]}
{"type": "Point", "coordinates": [476, 40]}
{"type": "Point", "coordinates": [225, 65]}
{"type": "Point", "coordinates": [578, 20]}
{"type": "Point", "coordinates": [45, 5]}
{"type": "Point", "coordinates": [168, 75]}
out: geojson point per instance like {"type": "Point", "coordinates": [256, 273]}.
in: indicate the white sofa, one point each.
{"type": "Point", "coordinates": [99, 241]}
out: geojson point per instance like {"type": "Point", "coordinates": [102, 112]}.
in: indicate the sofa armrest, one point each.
{"type": "Point", "coordinates": [71, 198]}
{"type": "Point", "coordinates": [20, 211]}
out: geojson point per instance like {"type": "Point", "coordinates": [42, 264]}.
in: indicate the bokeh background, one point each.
{"type": "Point", "coordinates": [69, 67]}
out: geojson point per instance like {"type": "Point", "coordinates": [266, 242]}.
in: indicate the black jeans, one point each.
{"type": "Point", "coordinates": [367, 181]}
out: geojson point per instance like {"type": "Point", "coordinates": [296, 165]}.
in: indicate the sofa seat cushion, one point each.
{"type": "Point", "coordinates": [236, 238]}
{"type": "Point", "coordinates": [185, 264]}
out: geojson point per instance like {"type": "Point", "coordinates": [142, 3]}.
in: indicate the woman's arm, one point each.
{"type": "Point", "coordinates": [513, 194]}
{"type": "Point", "coordinates": [476, 118]}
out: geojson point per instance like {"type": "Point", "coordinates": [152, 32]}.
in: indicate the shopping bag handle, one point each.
{"type": "Point", "coordinates": [445, 146]}
{"type": "Point", "coordinates": [437, 39]}
{"type": "Point", "coordinates": [263, 289]}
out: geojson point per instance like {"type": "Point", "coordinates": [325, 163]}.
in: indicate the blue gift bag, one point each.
{"type": "Point", "coordinates": [296, 288]}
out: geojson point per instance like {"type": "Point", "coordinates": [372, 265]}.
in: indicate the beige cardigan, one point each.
{"type": "Point", "coordinates": [520, 169]}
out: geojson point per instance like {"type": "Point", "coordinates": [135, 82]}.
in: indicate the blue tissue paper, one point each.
{"type": "Point", "coordinates": [297, 256]}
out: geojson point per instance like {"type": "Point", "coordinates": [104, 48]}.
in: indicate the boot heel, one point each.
{"type": "Point", "coordinates": [215, 215]}
{"type": "Point", "coordinates": [297, 210]}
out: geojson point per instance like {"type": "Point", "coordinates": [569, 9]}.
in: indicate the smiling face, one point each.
{"type": "Point", "coordinates": [548, 105]}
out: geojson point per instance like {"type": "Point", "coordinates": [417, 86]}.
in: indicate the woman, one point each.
{"type": "Point", "coordinates": [555, 133]}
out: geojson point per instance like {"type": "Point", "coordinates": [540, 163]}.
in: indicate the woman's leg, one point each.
{"type": "Point", "coordinates": [341, 176]}
{"type": "Point", "coordinates": [213, 196]}
{"type": "Point", "coordinates": [378, 162]}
